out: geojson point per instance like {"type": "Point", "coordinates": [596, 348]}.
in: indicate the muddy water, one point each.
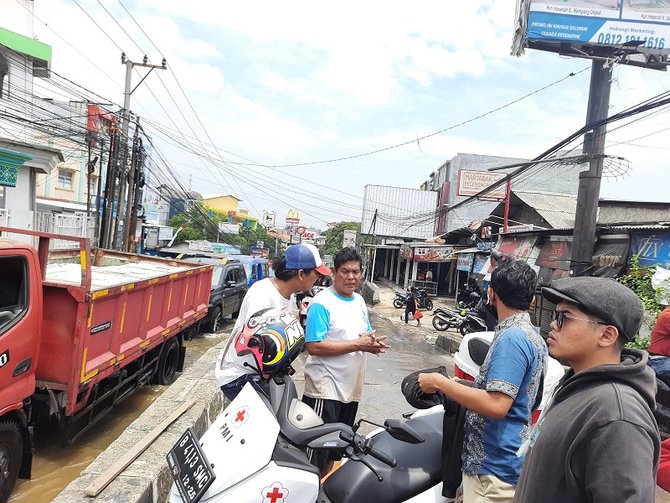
{"type": "Point", "coordinates": [55, 466]}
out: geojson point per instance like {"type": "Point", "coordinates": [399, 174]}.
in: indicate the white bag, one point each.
{"type": "Point", "coordinates": [660, 282]}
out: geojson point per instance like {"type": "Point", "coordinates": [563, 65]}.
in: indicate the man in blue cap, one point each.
{"type": "Point", "coordinates": [295, 272]}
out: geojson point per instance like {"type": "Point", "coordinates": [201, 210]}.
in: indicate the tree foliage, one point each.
{"type": "Point", "coordinates": [199, 224]}
{"type": "Point", "coordinates": [335, 235]}
{"type": "Point", "coordinates": [638, 279]}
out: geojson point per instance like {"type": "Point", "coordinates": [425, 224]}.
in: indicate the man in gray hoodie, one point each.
{"type": "Point", "coordinates": [597, 440]}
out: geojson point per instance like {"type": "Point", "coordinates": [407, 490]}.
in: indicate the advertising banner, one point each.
{"type": "Point", "coordinates": [433, 254]}
{"type": "Point", "coordinates": [556, 253]}
{"type": "Point", "coordinates": [406, 252]}
{"type": "Point", "coordinates": [464, 261]}
{"type": "Point", "coordinates": [517, 247]}
{"type": "Point", "coordinates": [652, 249]}
{"type": "Point", "coordinates": [348, 238]}
{"type": "Point", "coordinates": [599, 22]}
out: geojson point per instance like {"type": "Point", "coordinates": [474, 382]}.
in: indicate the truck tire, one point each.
{"type": "Point", "coordinates": [217, 319]}
{"type": "Point", "coordinates": [11, 452]}
{"type": "Point", "coordinates": [168, 362]}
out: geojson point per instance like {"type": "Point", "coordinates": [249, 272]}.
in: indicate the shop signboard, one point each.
{"type": "Point", "coordinates": [464, 261]}
{"type": "Point", "coordinates": [652, 249]}
{"type": "Point", "coordinates": [433, 254]}
{"type": "Point", "coordinates": [471, 183]}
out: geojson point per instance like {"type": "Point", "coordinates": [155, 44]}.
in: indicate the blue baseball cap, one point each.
{"type": "Point", "coordinates": [305, 256]}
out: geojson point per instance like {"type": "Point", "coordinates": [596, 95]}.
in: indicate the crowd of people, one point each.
{"type": "Point", "coordinates": [596, 439]}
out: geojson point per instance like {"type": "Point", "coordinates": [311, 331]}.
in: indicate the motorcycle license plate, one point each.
{"type": "Point", "coordinates": [189, 467]}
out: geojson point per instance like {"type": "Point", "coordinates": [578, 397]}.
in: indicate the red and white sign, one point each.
{"type": "Point", "coordinates": [276, 493]}
{"type": "Point", "coordinates": [301, 230]}
{"type": "Point", "coordinates": [241, 416]}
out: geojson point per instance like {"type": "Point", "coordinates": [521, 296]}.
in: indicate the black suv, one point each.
{"type": "Point", "coordinates": [229, 286]}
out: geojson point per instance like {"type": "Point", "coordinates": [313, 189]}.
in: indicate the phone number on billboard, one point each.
{"type": "Point", "coordinates": [616, 39]}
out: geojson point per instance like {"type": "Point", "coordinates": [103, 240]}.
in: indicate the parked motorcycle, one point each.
{"type": "Point", "coordinates": [254, 451]}
{"type": "Point", "coordinates": [471, 354]}
{"type": "Point", "coordinates": [444, 318]}
{"type": "Point", "coordinates": [400, 299]}
{"type": "Point", "coordinates": [303, 301]}
{"type": "Point", "coordinates": [464, 294]}
{"type": "Point", "coordinates": [422, 299]}
{"type": "Point", "coordinates": [472, 322]}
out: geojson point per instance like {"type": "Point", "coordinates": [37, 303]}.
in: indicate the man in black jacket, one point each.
{"type": "Point", "coordinates": [596, 440]}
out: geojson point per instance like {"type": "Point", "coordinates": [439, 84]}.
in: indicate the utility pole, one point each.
{"type": "Point", "coordinates": [586, 215]}
{"type": "Point", "coordinates": [124, 135]}
{"type": "Point", "coordinates": [128, 231]}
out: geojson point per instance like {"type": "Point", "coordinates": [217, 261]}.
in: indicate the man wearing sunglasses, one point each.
{"type": "Point", "coordinates": [597, 439]}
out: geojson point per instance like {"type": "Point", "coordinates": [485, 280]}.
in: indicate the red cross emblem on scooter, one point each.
{"type": "Point", "coordinates": [241, 416]}
{"type": "Point", "coordinates": [275, 493]}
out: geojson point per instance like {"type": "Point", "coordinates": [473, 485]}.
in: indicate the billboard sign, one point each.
{"type": "Point", "coordinates": [229, 228]}
{"type": "Point", "coordinates": [292, 217]}
{"type": "Point", "coordinates": [471, 183]}
{"type": "Point", "coordinates": [652, 250]}
{"type": "Point", "coordinates": [348, 238]}
{"type": "Point", "coordinates": [269, 218]}
{"type": "Point", "coordinates": [597, 22]}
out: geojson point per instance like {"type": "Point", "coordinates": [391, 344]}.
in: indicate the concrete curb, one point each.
{"type": "Point", "coordinates": [448, 342]}
{"type": "Point", "coordinates": [147, 479]}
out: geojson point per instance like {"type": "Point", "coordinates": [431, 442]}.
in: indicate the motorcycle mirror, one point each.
{"type": "Point", "coordinates": [400, 430]}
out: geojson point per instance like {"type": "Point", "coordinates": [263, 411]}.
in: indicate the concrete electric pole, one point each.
{"type": "Point", "coordinates": [123, 202]}
{"type": "Point", "coordinates": [584, 238]}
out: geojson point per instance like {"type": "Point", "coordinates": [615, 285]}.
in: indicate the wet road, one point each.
{"type": "Point", "coordinates": [55, 466]}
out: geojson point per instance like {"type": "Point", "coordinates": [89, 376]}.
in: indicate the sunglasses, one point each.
{"type": "Point", "coordinates": [560, 317]}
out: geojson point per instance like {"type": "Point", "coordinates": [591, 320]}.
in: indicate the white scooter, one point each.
{"type": "Point", "coordinates": [255, 451]}
{"type": "Point", "coordinates": [471, 354]}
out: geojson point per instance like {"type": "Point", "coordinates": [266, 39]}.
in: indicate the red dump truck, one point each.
{"type": "Point", "coordinates": [80, 329]}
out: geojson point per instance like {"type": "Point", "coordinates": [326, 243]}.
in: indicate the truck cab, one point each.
{"type": "Point", "coordinates": [20, 329]}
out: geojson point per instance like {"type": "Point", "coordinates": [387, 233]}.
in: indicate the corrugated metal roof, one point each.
{"type": "Point", "coordinates": [400, 212]}
{"type": "Point", "coordinates": [557, 209]}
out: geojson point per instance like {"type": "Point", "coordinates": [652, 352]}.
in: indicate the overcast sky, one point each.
{"type": "Point", "coordinates": [277, 83]}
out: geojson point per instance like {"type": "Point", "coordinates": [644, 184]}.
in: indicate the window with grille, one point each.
{"type": "Point", "coordinates": [65, 179]}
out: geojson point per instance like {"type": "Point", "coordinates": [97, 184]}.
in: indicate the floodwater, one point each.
{"type": "Point", "coordinates": [55, 466]}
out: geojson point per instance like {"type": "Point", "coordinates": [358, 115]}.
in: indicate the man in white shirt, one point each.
{"type": "Point", "coordinates": [295, 272]}
{"type": "Point", "coordinates": [337, 337]}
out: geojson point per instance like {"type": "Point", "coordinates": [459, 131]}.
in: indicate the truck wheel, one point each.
{"type": "Point", "coordinates": [11, 452]}
{"type": "Point", "coordinates": [217, 318]}
{"type": "Point", "coordinates": [397, 303]}
{"type": "Point", "coordinates": [167, 363]}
